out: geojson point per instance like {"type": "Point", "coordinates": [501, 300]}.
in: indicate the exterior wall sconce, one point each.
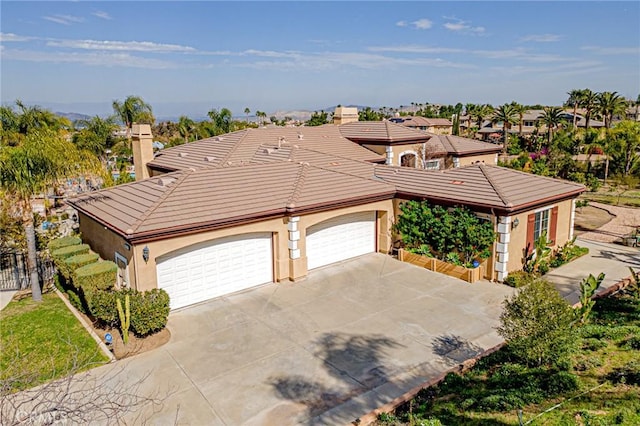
{"type": "Point", "coordinates": [145, 254]}
{"type": "Point", "coordinates": [515, 223]}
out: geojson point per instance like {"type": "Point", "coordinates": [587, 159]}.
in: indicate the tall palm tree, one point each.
{"type": "Point", "coordinates": [41, 160]}
{"type": "Point", "coordinates": [95, 135]}
{"type": "Point", "coordinates": [133, 110]}
{"type": "Point", "coordinates": [508, 116]}
{"type": "Point", "coordinates": [185, 127]}
{"type": "Point", "coordinates": [247, 111]}
{"type": "Point", "coordinates": [221, 120]}
{"type": "Point", "coordinates": [588, 101]}
{"type": "Point", "coordinates": [521, 111]}
{"type": "Point", "coordinates": [609, 104]}
{"type": "Point", "coordinates": [575, 99]}
{"type": "Point", "coordinates": [552, 118]}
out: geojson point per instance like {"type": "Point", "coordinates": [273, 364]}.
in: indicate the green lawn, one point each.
{"type": "Point", "coordinates": [496, 388]}
{"type": "Point", "coordinates": [43, 341]}
{"type": "Point", "coordinates": [628, 199]}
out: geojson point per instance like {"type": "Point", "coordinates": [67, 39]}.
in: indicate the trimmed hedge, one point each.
{"type": "Point", "coordinates": [59, 243]}
{"type": "Point", "coordinates": [93, 277]}
{"type": "Point", "coordinates": [61, 254]}
{"type": "Point", "coordinates": [519, 279]}
{"type": "Point", "coordinates": [149, 309]}
{"type": "Point", "coordinates": [69, 265]}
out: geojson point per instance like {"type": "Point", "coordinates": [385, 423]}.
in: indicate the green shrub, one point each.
{"type": "Point", "coordinates": [633, 343]}
{"type": "Point", "coordinates": [518, 279]}
{"type": "Point", "coordinates": [93, 277]}
{"type": "Point", "coordinates": [149, 311]}
{"type": "Point", "coordinates": [72, 263]}
{"type": "Point", "coordinates": [591, 344]}
{"type": "Point", "coordinates": [543, 267]}
{"type": "Point", "coordinates": [500, 402]}
{"type": "Point", "coordinates": [59, 243]}
{"type": "Point", "coordinates": [76, 301]}
{"type": "Point", "coordinates": [628, 374]}
{"type": "Point", "coordinates": [560, 383]}
{"type": "Point", "coordinates": [61, 254]}
{"type": "Point", "coordinates": [103, 307]}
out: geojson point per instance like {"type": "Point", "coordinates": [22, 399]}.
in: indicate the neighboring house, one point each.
{"type": "Point", "coordinates": [439, 126]}
{"type": "Point", "coordinates": [403, 146]}
{"type": "Point", "coordinates": [260, 205]}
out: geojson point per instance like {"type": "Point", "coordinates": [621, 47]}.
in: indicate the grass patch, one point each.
{"type": "Point", "coordinates": [43, 341]}
{"type": "Point", "coordinates": [601, 388]}
{"type": "Point", "coordinates": [613, 199]}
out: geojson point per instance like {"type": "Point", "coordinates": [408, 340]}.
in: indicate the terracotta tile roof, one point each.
{"type": "Point", "coordinates": [251, 145]}
{"type": "Point", "coordinates": [384, 132]}
{"type": "Point", "coordinates": [480, 185]}
{"type": "Point", "coordinates": [457, 145]}
{"type": "Point", "coordinates": [419, 121]}
{"type": "Point", "coordinates": [207, 198]}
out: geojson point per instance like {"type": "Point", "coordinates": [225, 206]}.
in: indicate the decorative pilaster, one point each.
{"type": "Point", "coordinates": [502, 247]}
{"type": "Point", "coordinates": [294, 237]}
{"type": "Point", "coordinates": [573, 218]}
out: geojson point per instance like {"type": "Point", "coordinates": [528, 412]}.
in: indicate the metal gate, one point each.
{"type": "Point", "coordinates": [14, 273]}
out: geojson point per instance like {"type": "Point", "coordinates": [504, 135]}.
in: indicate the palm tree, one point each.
{"type": "Point", "coordinates": [133, 110]}
{"type": "Point", "coordinates": [247, 111]}
{"type": "Point", "coordinates": [95, 135]}
{"type": "Point", "coordinates": [185, 126]}
{"type": "Point", "coordinates": [588, 102]}
{"type": "Point", "coordinates": [552, 118]}
{"type": "Point", "coordinates": [508, 116]}
{"type": "Point", "coordinates": [42, 159]}
{"type": "Point", "coordinates": [575, 100]}
{"type": "Point", "coordinates": [221, 120]}
{"type": "Point", "coordinates": [610, 104]}
{"type": "Point", "coordinates": [521, 111]}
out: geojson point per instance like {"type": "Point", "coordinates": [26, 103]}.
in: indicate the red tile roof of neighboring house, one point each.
{"type": "Point", "coordinates": [381, 132]}
{"type": "Point", "coordinates": [459, 146]}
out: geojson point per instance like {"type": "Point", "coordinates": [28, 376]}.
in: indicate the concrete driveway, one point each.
{"type": "Point", "coordinates": [612, 259]}
{"type": "Point", "coordinates": [327, 350]}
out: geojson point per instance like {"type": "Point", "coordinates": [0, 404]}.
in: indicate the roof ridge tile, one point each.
{"type": "Point", "coordinates": [299, 183]}
{"type": "Point", "coordinates": [156, 204]}
{"type": "Point", "coordinates": [495, 187]}
{"type": "Point", "coordinates": [224, 159]}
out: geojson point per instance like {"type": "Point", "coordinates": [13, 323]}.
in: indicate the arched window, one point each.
{"type": "Point", "coordinates": [408, 159]}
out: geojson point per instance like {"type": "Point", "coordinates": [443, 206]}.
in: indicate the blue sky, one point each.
{"type": "Point", "coordinates": [189, 57]}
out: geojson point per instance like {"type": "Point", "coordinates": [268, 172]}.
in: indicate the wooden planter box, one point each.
{"type": "Point", "coordinates": [469, 275]}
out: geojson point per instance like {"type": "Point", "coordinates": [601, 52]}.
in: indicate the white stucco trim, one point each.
{"type": "Point", "coordinates": [389, 152]}
{"type": "Point", "coordinates": [541, 209]}
{"type": "Point", "coordinates": [573, 218]}
{"type": "Point", "coordinates": [456, 162]}
{"type": "Point", "coordinates": [294, 237]}
{"type": "Point", "coordinates": [502, 247]}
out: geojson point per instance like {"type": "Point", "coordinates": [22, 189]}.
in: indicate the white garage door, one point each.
{"type": "Point", "coordinates": [341, 238]}
{"type": "Point", "coordinates": [215, 268]}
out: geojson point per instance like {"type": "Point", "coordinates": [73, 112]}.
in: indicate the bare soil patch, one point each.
{"type": "Point", "coordinates": [590, 218]}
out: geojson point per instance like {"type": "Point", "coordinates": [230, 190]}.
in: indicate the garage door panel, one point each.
{"type": "Point", "coordinates": [341, 238]}
{"type": "Point", "coordinates": [215, 268]}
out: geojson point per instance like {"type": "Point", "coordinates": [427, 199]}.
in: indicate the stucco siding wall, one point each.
{"type": "Point", "coordinates": [518, 238]}
{"type": "Point", "coordinates": [491, 159]}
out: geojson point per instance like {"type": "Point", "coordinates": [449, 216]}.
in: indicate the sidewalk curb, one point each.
{"type": "Point", "coordinates": [87, 327]}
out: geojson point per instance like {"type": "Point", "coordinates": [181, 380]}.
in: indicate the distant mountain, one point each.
{"type": "Point", "coordinates": [73, 116]}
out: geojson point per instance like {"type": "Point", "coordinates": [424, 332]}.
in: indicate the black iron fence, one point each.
{"type": "Point", "coordinates": [14, 273]}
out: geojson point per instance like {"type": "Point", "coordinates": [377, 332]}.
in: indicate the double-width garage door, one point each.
{"type": "Point", "coordinates": [341, 238]}
{"type": "Point", "coordinates": [215, 268]}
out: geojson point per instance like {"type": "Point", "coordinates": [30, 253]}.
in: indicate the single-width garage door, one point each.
{"type": "Point", "coordinates": [341, 238]}
{"type": "Point", "coordinates": [215, 268]}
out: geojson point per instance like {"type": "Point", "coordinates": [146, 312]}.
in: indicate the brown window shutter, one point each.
{"type": "Point", "coordinates": [553, 225]}
{"type": "Point", "coordinates": [531, 222]}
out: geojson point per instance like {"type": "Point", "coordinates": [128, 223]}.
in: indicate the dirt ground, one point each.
{"type": "Point", "coordinates": [589, 218]}
{"type": "Point", "coordinates": [136, 345]}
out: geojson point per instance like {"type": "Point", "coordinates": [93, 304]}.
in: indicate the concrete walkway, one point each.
{"type": "Point", "coordinates": [612, 259]}
{"type": "Point", "coordinates": [625, 221]}
{"type": "Point", "coordinates": [5, 297]}
{"type": "Point", "coordinates": [349, 339]}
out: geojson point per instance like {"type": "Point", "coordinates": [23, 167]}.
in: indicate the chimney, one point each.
{"type": "Point", "coordinates": [343, 115]}
{"type": "Point", "coordinates": [142, 144]}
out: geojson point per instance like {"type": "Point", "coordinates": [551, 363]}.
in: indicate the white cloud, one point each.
{"type": "Point", "coordinates": [414, 49]}
{"type": "Point", "coordinates": [92, 59]}
{"type": "Point", "coordinates": [463, 27]}
{"type": "Point", "coordinates": [401, 23]}
{"type": "Point", "coordinates": [618, 50]}
{"type": "Point", "coordinates": [110, 45]}
{"type": "Point", "coordinates": [64, 19]}
{"type": "Point", "coordinates": [6, 37]}
{"type": "Point", "coordinates": [542, 38]}
{"type": "Point", "coordinates": [103, 15]}
{"type": "Point", "coordinates": [422, 24]}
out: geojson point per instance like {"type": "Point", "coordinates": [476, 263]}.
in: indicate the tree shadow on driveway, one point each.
{"type": "Point", "coordinates": [454, 348]}
{"type": "Point", "coordinates": [356, 361]}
